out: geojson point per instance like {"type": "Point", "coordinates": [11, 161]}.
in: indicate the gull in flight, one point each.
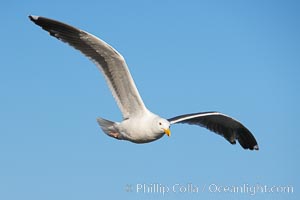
{"type": "Point", "coordinates": [139, 125]}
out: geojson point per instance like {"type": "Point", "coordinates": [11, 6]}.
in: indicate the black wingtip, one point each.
{"type": "Point", "coordinates": [33, 18]}
{"type": "Point", "coordinates": [255, 148]}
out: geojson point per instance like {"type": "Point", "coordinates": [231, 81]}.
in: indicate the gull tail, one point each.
{"type": "Point", "coordinates": [109, 128]}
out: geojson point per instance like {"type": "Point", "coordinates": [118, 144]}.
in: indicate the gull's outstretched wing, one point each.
{"type": "Point", "coordinates": [110, 62]}
{"type": "Point", "coordinates": [226, 126]}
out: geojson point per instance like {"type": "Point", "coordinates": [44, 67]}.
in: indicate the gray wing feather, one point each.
{"type": "Point", "coordinates": [108, 60]}
{"type": "Point", "coordinates": [221, 124]}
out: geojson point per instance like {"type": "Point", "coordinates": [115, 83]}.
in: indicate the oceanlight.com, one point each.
{"type": "Point", "coordinates": [190, 188]}
{"type": "Point", "coordinates": [250, 189]}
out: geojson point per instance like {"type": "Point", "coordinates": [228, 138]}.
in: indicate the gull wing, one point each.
{"type": "Point", "coordinates": [110, 62]}
{"type": "Point", "coordinates": [221, 124]}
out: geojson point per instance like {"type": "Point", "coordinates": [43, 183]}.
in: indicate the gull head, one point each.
{"type": "Point", "coordinates": [162, 126]}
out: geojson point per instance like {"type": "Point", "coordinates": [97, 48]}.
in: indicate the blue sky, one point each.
{"type": "Point", "coordinates": [237, 57]}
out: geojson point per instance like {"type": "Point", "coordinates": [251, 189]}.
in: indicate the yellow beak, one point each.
{"type": "Point", "coordinates": [167, 132]}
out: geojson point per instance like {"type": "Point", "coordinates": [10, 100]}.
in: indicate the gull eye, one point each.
{"type": "Point", "coordinates": [159, 123]}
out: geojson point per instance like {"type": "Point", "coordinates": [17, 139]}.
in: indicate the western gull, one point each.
{"type": "Point", "coordinates": [139, 125]}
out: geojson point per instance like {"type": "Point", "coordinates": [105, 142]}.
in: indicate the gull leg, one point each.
{"type": "Point", "coordinates": [109, 128]}
{"type": "Point", "coordinates": [114, 135]}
